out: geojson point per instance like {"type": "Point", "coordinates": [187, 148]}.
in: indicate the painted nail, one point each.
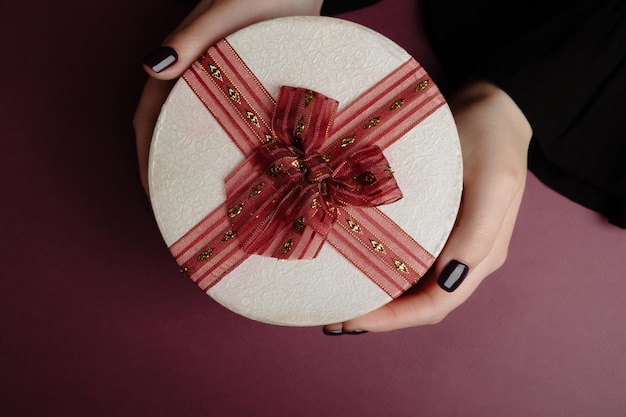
{"type": "Point", "coordinates": [452, 275]}
{"type": "Point", "coordinates": [162, 58]}
{"type": "Point", "coordinates": [354, 332]}
{"type": "Point", "coordinates": [329, 332]}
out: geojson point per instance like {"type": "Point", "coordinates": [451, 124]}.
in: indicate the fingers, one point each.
{"type": "Point", "coordinates": [202, 27]}
{"type": "Point", "coordinates": [431, 304]}
{"type": "Point", "coordinates": [482, 220]}
{"type": "Point", "coordinates": [494, 138]}
{"type": "Point", "coordinates": [209, 22]}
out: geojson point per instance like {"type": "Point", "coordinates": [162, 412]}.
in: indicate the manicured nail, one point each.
{"type": "Point", "coordinates": [329, 332]}
{"type": "Point", "coordinates": [354, 332]}
{"type": "Point", "coordinates": [452, 275]}
{"type": "Point", "coordinates": [161, 59]}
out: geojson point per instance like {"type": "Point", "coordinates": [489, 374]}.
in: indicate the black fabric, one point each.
{"type": "Point", "coordinates": [335, 7]}
{"type": "Point", "coordinates": [564, 64]}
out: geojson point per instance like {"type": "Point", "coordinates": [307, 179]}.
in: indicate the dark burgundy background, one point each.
{"type": "Point", "coordinates": [96, 321]}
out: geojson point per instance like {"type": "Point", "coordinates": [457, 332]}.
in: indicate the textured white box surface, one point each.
{"type": "Point", "coordinates": [191, 155]}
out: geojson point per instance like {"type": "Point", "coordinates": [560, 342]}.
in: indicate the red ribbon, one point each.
{"type": "Point", "coordinates": [286, 191]}
{"type": "Point", "coordinates": [310, 175]}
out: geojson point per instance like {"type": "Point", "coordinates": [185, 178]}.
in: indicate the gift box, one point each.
{"type": "Point", "coordinates": [305, 171]}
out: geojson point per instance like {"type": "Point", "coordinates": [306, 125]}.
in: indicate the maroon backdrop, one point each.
{"type": "Point", "coordinates": [96, 321]}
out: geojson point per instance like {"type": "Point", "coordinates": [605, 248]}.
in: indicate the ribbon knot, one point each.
{"type": "Point", "coordinates": [315, 167]}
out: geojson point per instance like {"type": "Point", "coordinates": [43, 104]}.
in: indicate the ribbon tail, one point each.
{"type": "Point", "coordinates": [384, 114]}
{"type": "Point", "coordinates": [301, 225]}
{"type": "Point", "coordinates": [219, 82]}
{"type": "Point", "coordinates": [380, 249]}
{"type": "Point", "coordinates": [210, 250]}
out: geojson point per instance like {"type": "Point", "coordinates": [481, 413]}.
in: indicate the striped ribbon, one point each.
{"type": "Point", "coordinates": [311, 175]}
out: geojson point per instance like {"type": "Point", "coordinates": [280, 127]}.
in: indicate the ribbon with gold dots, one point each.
{"type": "Point", "coordinates": [312, 174]}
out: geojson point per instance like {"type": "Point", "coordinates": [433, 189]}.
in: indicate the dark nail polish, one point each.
{"type": "Point", "coordinates": [328, 332]}
{"type": "Point", "coordinates": [354, 332]}
{"type": "Point", "coordinates": [452, 275]}
{"type": "Point", "coordinates": [161, 58]}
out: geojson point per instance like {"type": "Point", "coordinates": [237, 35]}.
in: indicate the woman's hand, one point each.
{"type": "Point", "coordinates": [209, 21]}
{"type": "Point", "coordinates": [494, 137]}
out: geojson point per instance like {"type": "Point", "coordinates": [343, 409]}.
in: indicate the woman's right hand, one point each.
{"type": "Point", "coordinates": [494, 135]}
{"type": "Point", "coordinates": [208, 22]}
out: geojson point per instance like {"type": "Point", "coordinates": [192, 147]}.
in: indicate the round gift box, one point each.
{"type": "Point", "coordinates": [191, 155]}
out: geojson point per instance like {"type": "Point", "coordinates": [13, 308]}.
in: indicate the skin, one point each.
{"type": "Point", "coordinates": [494, 137]}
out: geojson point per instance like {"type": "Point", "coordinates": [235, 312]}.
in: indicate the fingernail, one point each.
{"type": "Point", "coordinates": [452, 275]}
{"type": "Point", "coordinates": [329, 332]}
{"type": "Point", "coordinates": [162, 58]}
{"type": "Point", "coordinates": [354, 332]}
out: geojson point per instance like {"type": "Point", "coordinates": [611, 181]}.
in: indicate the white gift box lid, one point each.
{"type": "Point", "coordinates": [191, 155]}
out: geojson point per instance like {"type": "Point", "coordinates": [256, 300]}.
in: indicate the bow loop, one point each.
{"type": "Point", "coordinates": [303, 118]}
{"type": "Point", "coordinates": [365, 179]}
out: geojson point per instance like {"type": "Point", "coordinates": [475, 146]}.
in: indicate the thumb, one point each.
{"type": "Point", "coordinates": [209, 22]}
{"type": "Point", "coordinates": [205, 25]}
{"type": "Point", "coordinates": [481, 237]}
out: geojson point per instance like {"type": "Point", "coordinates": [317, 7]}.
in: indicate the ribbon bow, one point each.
{"type": "Point", "coordinates": [311, 174]}
{"type": "Point", "coordinates": [289, 189]}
